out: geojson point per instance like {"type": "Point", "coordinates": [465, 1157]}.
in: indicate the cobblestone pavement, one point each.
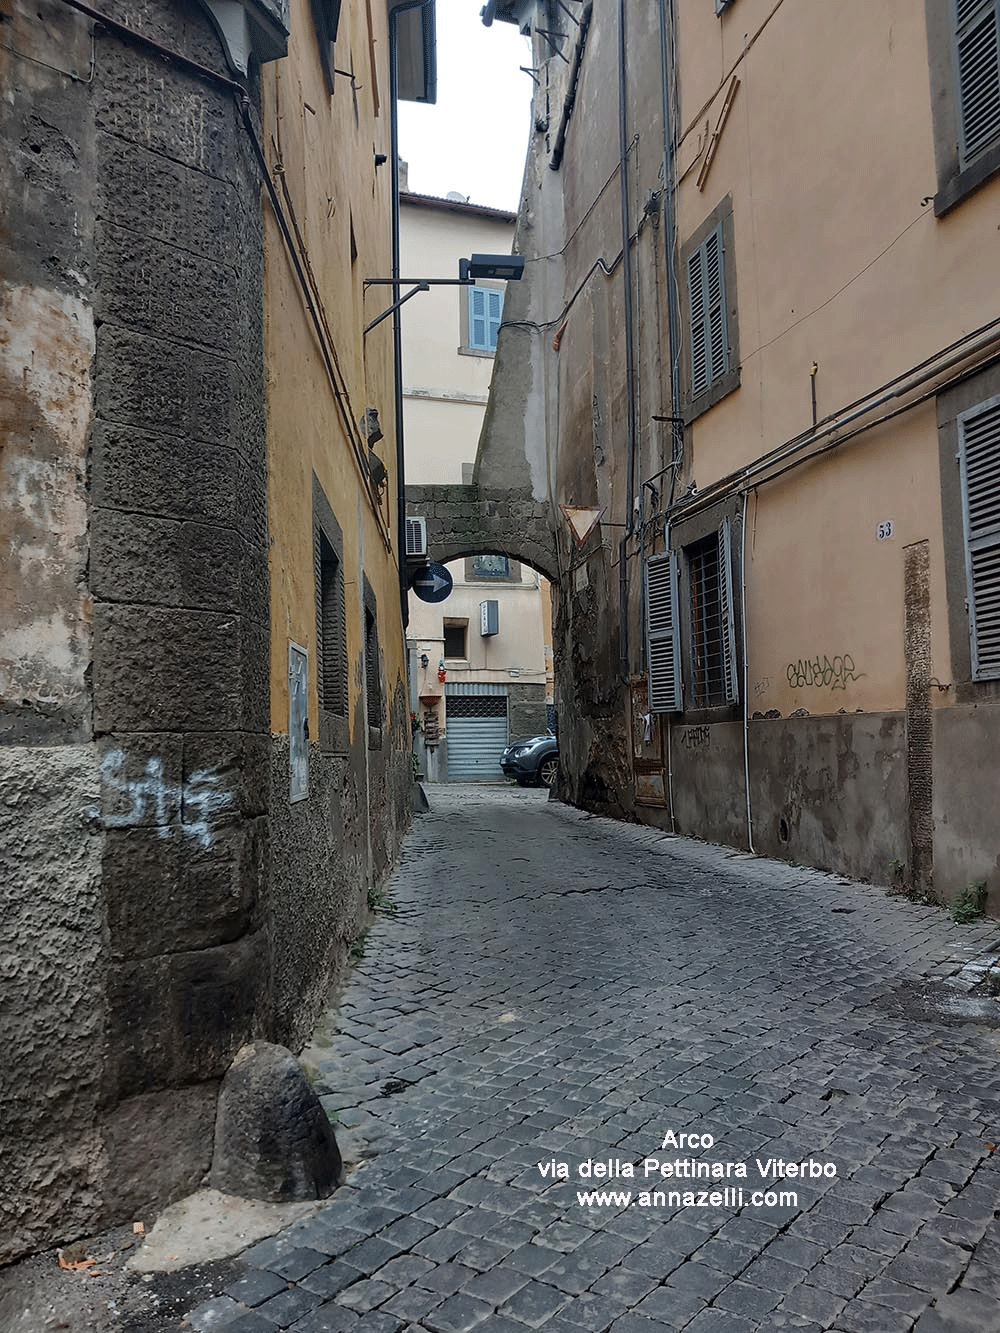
{"type": "Point", "coordinates": [557, 987]}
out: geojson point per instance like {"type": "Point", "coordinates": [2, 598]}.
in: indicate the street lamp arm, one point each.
{"type": "Point", "coordinates": [420, 287]}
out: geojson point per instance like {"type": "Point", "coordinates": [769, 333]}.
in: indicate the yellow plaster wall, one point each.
{"type": "Point", "coordinates": [322, 149]}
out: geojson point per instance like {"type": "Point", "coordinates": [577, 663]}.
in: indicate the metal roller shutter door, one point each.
{"type": "Point", "coordinates": [477, 732]}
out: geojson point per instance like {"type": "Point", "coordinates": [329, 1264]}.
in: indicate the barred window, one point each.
{"type": "Point", "coordinates": [373, 684]}
{"type": "Point", "coordinates": [707, 668]}
{"type": "Point", "coordinates": [332, 675]}
{"type": "Point", "coordinates": [714, 679]}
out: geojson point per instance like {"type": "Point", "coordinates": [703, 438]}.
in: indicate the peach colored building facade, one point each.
{"type": "Point", "coordinates": [803, 297]}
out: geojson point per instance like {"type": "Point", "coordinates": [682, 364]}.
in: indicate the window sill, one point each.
{"type": "Point", "coordinates": [476, 351]}
{"type": "Point", "coordinates": [701, 717]}
{"type": "Point", "coordinates": [965, 183]}
{"type": "Point", "coordinates": [722, 388]}
{"type": "Point", "coordinates": [334, 736]}
{"type": "Point", "coordinates": [977, 691]}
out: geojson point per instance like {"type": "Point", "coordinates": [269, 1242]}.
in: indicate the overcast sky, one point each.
{"type": "Point", "coordinates": [475, 138]}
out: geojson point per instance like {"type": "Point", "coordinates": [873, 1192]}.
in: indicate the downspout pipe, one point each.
{"type": "Point", "coordinates": [670, 210]}
{"type": "Point", "coordinates": [746, 673]}
{"type": "Point", "coordinates": [397, 328]}
{"type": "Point", "coordinates": [673, 304]}
{"type": "Point", "coordinates": [629, 342]}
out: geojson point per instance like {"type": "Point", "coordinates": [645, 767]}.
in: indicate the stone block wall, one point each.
{"type": "Point", "coordinates": [135, 750]}
{"type": "Point", "coordinates": [179, 576]}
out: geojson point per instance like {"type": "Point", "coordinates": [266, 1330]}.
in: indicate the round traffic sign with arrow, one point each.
{"type": "Point", "coordinates": [432, 582]}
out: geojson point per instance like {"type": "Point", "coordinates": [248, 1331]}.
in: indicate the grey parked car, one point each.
{"type": "Point", "coordinates": [532, 763]}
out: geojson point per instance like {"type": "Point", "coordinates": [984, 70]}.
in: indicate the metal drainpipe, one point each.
{"type": "Point", "coordinates": [397, 329]}
{"type": "Point", "coordinates": [670, 213]}
{"type": "Point", "coordinates": [629, 344]}
{"type": "Point", "coordinates": [673, 311]}
{"type": "Point", "coordinates": [746, 673]}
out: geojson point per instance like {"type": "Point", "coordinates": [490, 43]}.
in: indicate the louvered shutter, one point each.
{"type": "Point", "coordinates": [699, 324]}
{"type": "Point", "coordinates": [977, 47]}
{"type": "Point", "coordinates": [715, 290]}
{"type": "Point", "coordinates": [979, 459]}
{"type": "Point", "coordinates": [478, 334]}
{"type": "Point", "coordinates": [707, 293]}
{"type": "Point", "coordinates": [730, 675]}
{"type": "Point", "coordinates": [494, 313]}
{"type": "Point", "coordinates": [663, 640]}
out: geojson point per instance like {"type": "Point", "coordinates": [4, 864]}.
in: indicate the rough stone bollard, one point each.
{"type": "Point", "coordinates": [273, 1140]}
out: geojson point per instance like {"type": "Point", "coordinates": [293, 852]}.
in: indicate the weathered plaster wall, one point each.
{"type": "Point", "coordinates": [839, 785]}
{"type": "Point", "coordinates": [318, 861]}
{"type": "Point", "coordinates": [967, 800]}
{"type": "Point", "coordinates": [709, 793]}
{"type": "Point", "coordinates": [330, 848]}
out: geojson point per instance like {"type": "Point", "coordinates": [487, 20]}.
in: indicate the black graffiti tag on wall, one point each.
{"type": "Point", "coordinates": [823, 672]}
{"type": "Point", "coordinates": [695, 738]}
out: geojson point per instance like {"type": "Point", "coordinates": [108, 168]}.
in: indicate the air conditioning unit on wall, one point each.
{"type": "Point", "coordinates": [416, 539]}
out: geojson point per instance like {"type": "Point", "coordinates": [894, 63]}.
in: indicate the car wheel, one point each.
{"type": "Point", "coordinates": [547, 771]}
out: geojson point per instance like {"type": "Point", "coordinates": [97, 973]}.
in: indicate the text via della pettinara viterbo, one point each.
{"type": "Point", "coordinates": [685, 1174]}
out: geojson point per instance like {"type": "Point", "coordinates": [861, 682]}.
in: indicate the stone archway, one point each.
{"type": "Point", "coordinates": [475, 520]}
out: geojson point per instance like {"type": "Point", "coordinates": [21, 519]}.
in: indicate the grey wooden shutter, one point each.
{"type": "Point", "coordinates": [707, 296]}
{"type": "Point", "coordinates": [977, 48]}
{"type": "Point", "coordinates": [663, 639]}
{"type": "Point", "coordinates": [730, 673]}
{"type": "Point", "coordinates": [700, 369]}
{"type": "Point", "coordinates": [715, 290]}
{"type": "Point", "coordinates": [979, 460]}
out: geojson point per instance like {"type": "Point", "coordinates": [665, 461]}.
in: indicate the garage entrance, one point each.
{"type": "Point", "coordinates": [476, 723]}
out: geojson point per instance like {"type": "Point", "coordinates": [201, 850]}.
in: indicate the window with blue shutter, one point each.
{"type": "Point", "coordinates": [979, 461]}
{"type": "Point", "coordinates": [709, 325]}
{"type": "Point", "coordinates": [485, 314]}
{"type": "Point", "coordinates": [977, 53]}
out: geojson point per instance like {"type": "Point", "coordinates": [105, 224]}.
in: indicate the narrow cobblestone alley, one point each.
{"type": "Point", "coordinates": [558, 987]}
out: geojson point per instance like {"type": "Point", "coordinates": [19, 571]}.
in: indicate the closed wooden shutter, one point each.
{"type": "Point", "coordinates": [979, 460]}
{"type": "Point", "coordinates": [663, 640]}
{"type": "Point", "coordinates": [977, 47]}
{"type": "Point", "coordinates": [730, 671]}
{"type": "Point", "coordinates": [707, 295]}
{"type": "Point", "coordinates": [478, 328]}
{"type": "Point", "coordinates": [494, 313]}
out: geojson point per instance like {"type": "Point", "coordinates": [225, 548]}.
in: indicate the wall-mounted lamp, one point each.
{"type": "Point", "coordinates": [425, 661]}
{"type": "Point", "coordinates": [507, 268]}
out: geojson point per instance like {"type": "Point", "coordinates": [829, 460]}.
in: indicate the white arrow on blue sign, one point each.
{"type": "Point", "coordinates": [432, 583]}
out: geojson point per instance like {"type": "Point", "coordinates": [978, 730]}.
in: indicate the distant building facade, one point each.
{"type": "Point", "coordinates": [488, 673]}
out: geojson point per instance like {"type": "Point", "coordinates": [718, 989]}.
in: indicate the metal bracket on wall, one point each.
{"type": "Point", "coordinates": [713, 143]}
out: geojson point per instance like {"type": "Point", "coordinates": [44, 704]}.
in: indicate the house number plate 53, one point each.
{"type": "Point", "coordinates": [883, 531]}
